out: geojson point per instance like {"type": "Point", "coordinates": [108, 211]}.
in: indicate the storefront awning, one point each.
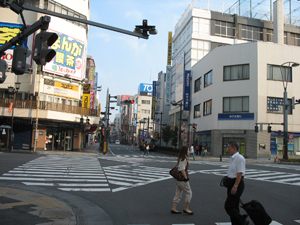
{"type": "Point", "coordinates": [92, 129]}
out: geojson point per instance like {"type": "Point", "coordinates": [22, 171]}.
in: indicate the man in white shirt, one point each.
{"type": "Point", "coordinates": [236, 173]}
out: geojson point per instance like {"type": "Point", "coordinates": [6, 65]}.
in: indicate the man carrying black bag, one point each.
{"type": "Point", "coordinates": [235, 189]}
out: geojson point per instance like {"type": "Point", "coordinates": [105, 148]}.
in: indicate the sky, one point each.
{"type": "Point", "coordinates": [123, 61]}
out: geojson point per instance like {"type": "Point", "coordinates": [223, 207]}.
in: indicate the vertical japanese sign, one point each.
{"type": "Point", "coordinates": [86, 96]}
{"type": "Point", "coordinates": [153, 99]}
{"type": "Point", "coordinates": [168, 86]}
{"type": "Point", "coordinates": [187, 90]}
{"type": "Point", "coordinates": [179, 77]}
{"type": "Point", "coordinates": [169, 48]}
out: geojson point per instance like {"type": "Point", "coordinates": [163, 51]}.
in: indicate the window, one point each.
{"type": "Point", "coordinates": [237, 72]}
{"type": "Point", "coordinates": [207, 108]}
{"type": "Point", "coordinates": [274, 73]}
{"type": "Point", "coordinates": [270, 35]}
{"type": "Point", "coordinates": [198, 84]}
{"type": "Point", "coordinates": [276, 105]}
{"type": "Point", "coordinates": [294, 39]}
{"type": "Point", "coordinates": [224, 29]}
{"type": "Point", "coordinates": [197, 112]}
{"type": "Point", "coordinates": [145, 111]}
{"type": "Point", "coordinates": [208, 79]}
{"type": "Point", "coordinates": [235, 104]}
{"type": "Point", "coordinates": [146, 102]}
{"type": "Point", "coordinates": [252, 33]}
{"type": "Point", "coordinates": [75, 103]}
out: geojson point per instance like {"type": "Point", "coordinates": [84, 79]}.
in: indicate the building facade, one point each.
{"type": "Point", "coordinates": [200, 31]}
{"type": "Point", "coordinates": [51, 97]}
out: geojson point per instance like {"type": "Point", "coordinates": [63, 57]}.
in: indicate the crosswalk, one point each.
{"type": "Point", "coordinates": [67, 173]}
{"type": "Point", "coordinates": [262, 175]}
{"type": "Point", "coordinates": [84, 173]}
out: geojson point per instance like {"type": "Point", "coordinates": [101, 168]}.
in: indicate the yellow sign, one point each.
{"type": "Point", "coordinates": [86, 96]}
{"type": "Point", "coordinates": [169, 48]}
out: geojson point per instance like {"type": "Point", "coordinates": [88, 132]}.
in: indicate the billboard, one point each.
{"type": "Point", "coordinates": [69, 47]}
{"type": "Point", "coordinates": [7, 32]}
{"type": "Point", "coordinates": [61, 89]}
{"type": "Point", "coordinates": [168, 86]}
{"type": "Point", "coordinates": [145, 89]}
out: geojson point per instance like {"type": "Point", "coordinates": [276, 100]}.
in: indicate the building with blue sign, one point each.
{"type": "Point", "coordinates": [235, 87]}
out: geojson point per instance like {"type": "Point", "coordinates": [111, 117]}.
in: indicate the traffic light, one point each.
{"type": "Point", "coordinates": [41, 52]}
{"type": "Point", "coordinates": [269, 129]}
{"type": "Point", "coordinates": [194, 128]}
{"type": "Point", "coordinates": [3, 67]}
{"type": "Point", "coordinates": [19, 65]}
{"type": "Point", "coordinates": [128, 102]}
{"type": "Point", "coordinates": [256, 129]}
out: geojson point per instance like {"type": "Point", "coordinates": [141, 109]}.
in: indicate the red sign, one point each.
{"type": "Point", "coordinates": [291, 136]}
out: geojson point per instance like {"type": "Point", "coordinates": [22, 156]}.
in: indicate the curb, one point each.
{"type": "Point", "coordinates": [83, 210]}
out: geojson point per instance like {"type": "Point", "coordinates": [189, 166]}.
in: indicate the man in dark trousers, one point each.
{"type": "Point", "coordinates": [236, 173]}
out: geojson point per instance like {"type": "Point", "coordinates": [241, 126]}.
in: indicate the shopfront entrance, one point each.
{"type": "Point", "coordinates": [240, 141]}
{"type": "Point", "coordinates": [59, 139]}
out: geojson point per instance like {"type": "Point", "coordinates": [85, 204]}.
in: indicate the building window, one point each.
{"type": "Point", "coordinates": [224, 29]}
{"type": "Point", "coordinates": [294, 39]}
{"type": "Point", "coordinates": [208, 79]}
{"type": "Point", "coordinates": [270, 35]}
{"type": "Point", "coordinates": [251, 33]}
{"type": "Point", "coordinates": [274, 73]}
{"type": "Point", "coordinates": [145, 111]}
{"type": "Point", "coordinates": [275, 105]}
{"type": "Point", "coordinates": [207, 108]}
{"type": "Point", "coordinates": [146, 102]}
{"type": "Point", "coordinates": [235, 104]}
{"type": "Point", "coordinates": [198, 84]}
{"type": "Point", "coordinates": [237, 72]}
{"type": "Point", "coordinates": [197, 112]}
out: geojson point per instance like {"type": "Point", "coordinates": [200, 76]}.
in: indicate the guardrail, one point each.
{"type": "Point", "coordinates": [44, 105]}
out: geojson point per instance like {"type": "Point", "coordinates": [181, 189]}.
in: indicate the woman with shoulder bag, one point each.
{"type": "Point", "coordinates": [183, 186]}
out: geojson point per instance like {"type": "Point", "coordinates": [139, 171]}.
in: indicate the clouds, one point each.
{"type": "Point", "coordinates": [134, 14]}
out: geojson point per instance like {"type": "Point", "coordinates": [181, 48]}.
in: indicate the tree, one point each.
{"type": "Point", "coordinates": [166, 134]}
{"type": "Point", "coordinates": [175, 136]}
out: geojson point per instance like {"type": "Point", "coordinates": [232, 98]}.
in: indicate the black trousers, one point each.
{"type": "Point", "coordinates": [232, 203]}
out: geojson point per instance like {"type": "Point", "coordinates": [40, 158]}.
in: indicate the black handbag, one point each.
{"type": "Point", "coordinates": [225, 181]}
{"type": "Point", "coordinates": [174, 172]}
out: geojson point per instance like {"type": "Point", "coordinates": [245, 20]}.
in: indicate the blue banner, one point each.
{"type": "Point", "coordinates": [187, 90]}
{"type": "Point", "coordinates": [236, 116]}
{"type": "Point", "coordinates": [153, 99]}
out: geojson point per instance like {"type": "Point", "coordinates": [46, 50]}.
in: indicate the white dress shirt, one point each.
{"type": "Point", "coordinates": [236, 165]}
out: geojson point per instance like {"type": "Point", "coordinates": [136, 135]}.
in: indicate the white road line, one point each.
{"type": "Point", "coordinates": [86, 189]}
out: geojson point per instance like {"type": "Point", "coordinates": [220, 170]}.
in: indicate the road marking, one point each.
{"type": "Point", "coordinates": [229, 223]}
{"type": "Point", "coordinates": [262, 175]}
{"type": "Point", "coordinates": [67, 173]}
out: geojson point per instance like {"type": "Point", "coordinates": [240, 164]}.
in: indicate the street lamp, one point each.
{"type": "Point", "coordinates": [160, 124]}
{"type": "Point", "coordinates": [179, 132]}
{"type": "Point", "coordinates": [285, 108]}
{"type": "Point", "coordinates": [12, 91]}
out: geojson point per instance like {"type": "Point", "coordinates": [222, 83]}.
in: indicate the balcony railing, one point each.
{"type": "Point", "coordinates": [32, 104]}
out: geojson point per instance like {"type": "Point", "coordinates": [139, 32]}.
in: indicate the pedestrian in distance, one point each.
{"type": "Point", "coordinates": [183, 186]}
{"type": "Point", "coordinates": [204, 152]}
{"type": "Point", "coordinates": [197, 150]}
{"type": "Point", "coordinates": [146, 149]}
{"type": "Point", "coordinates": [192, 152]}
{"type": "Point", "coordinates": [235, 173]}
{"type": "Point", "coordinates": [200, 149]}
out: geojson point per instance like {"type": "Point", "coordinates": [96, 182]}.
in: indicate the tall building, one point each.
{"type": "Point", "coordinates": [50, 97]}
{"type": "Point", "coordinates": [200, 31]}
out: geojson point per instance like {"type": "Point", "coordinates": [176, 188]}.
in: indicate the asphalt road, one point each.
{"type": "Point", "coordinates": [138, 190]}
